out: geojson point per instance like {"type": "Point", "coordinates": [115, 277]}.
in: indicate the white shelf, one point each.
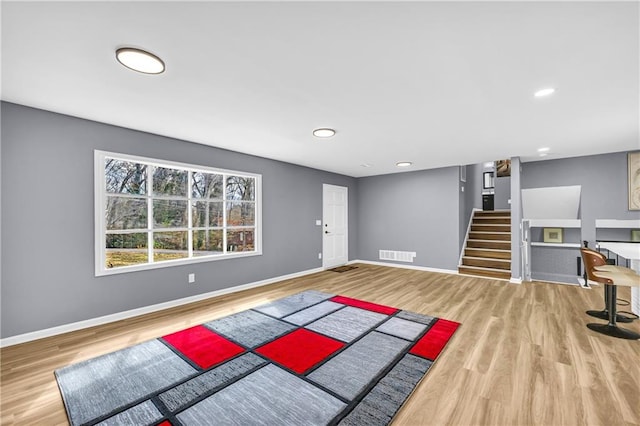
{"type": "Point", "coordinates": [554, 223]}
{"type": "Point", "coordinates": [618, 223]}
{"type": "Point", "coordinates": [558, 245]}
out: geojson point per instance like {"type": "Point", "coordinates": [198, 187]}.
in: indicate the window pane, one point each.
{"type": "Point", "coordinates": [206, 243]}
{"type": "Point", "coordinates": [241, 188]}
{"type": "Point", "coordinates": [126, 249]}
{"type": "Point", "coordinates": [169, 182]}
{"type": "Point", "coordinates": [170, 214]}
{"type": "Point", "coordinates": [206, 185]}
{"type": "Point", "coordinates": [240, 240]}
{"type": "Point", "coordinates": [207, 214]}
{"type": "Point", "coordinates": [240, 214]}
{"type": "Point", "coordinates": [126, 213]}
{"type": "Point", "coordinates": [124, 177]}
{"type": "Point", "coordinates": [169, 245]}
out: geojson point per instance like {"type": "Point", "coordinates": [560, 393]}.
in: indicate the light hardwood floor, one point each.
{"type": "Point", "coordinates": [522, 356]}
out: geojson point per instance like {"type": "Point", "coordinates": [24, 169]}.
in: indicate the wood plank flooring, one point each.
{"type": "Point", "coordinates": [523, 355]}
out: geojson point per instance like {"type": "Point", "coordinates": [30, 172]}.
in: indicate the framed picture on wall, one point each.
{"type": "Point", "coordinates": [552, 235]}
{"type": "Point", "coordinates": [634, 180]}
{"type": "Point", "coordinates": [503, 168]}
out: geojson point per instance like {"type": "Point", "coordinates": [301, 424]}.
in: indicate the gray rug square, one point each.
{"type": "Point", "coordinates": [380, 405]}
{"type": "Point", "coordinates": [402, 328]}
{"type": "Point", "coordinates": [99, 386]}
{"type": "Point", "coordinates": [291, 304]}
{"type": "Point", "coordinates": [183, 394]}
{"type": "Point", "coordinates": [249, 401]}
{"type": "Point", "coordinates": [313, 313]}
{"type": "Point", "coordinates": [350, 371]}
{"type": "Point", "coordinates": [347, 324]}
{"type": "Point", "coordinates": [142, 414]}
{"type": "Point", "coordinates": [412, 316]}
{"type": "Point", "coordinates": [250, 328]}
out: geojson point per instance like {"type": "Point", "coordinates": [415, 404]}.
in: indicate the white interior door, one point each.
{"type": "Point", "coordinates": [335, 237]}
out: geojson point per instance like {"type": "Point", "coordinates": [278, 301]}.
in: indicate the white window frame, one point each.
{"type": "Point", "coordinates": [100, 193]}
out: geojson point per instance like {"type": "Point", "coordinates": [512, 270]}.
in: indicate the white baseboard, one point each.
{"type": "Point", "coordinates": [414, 267]}
{"type": "Point", "coordinates": [437, 270]}
{"type": "Point", "coordinates": [66, 328]}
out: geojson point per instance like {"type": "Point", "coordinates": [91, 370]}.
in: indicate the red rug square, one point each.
{"type": "Point", "coordinates": [203, 346]}
{"type": "Point", "coordinates": [300, 350]}
{"type": "Point", "coordinates": [387, 310]}
{"type": "Point", "coordinates": [430, 345]}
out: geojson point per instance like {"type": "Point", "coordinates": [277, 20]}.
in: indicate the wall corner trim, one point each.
{"type": "Point", "coordinates": [66, 328]}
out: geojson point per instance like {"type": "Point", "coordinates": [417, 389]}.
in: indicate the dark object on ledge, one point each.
{"type": "Point", "coordinates": [487, 201]}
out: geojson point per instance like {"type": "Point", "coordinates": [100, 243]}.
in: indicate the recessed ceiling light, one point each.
{"type": "Point", "coordinates": [140, 60]}
{"type": "Point", "coordinates": [404, 163]}
{"type": "Point", "coordinates": [365, 165]}
{"type": "Point", "coordinates": [544, 92]}
{"type": "Point", "coordinates": [323, 133]}
{"type": "Point", "coordinates": [543, 154]}
{"type": "Point", "coordinates": [545, 149]}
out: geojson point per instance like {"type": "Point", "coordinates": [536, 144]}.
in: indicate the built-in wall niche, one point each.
{"type": "Point", "coordinates": [618, 230]}
{"type": "Point", "coordinates": [569, 237]}
{"type": "Point", "coordinates": [551, 259]}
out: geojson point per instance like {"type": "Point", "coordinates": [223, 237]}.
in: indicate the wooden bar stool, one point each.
{"type": "Point", "coordinates": [593, 259]}
{"type": "Point", "coordinates": [617, 276]}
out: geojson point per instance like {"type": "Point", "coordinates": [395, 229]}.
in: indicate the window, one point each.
{"type": "Point", "coordinates": [153, 213]}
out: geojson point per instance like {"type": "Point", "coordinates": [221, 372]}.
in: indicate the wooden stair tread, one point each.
{"type": "Point", "coordinates": [489, 249]}
{"type": "Point", "coordinates": [480, 222]}
{"type": "Point", "coordinates": [487, 262]}
{"type": "Point", "coordinates": [481, 268]}
{"type": "Point", "coordinates": [491, 228]}
{"type": "Point", "coordinates": [494, 244]}
{"type": "Point", "coordinates": [493, 213]}
{"type": "Point", "coordinates": [489, 253]}
{"type": "Point", "coordinates": [479, 257]}
{"type": "Point", "coordinates": [484, 272]}
{"type": "Point", "coordinates": [480, 235]}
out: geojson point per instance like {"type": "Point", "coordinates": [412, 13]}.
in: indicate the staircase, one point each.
{"type": "Point", "coordinates": [488, 249]}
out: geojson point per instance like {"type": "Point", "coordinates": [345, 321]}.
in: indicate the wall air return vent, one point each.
{"type": "Point", "coordinates": [398, 256]}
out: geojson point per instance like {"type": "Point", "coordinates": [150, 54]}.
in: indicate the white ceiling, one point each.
{"type": "Point", "coordinates": [435, 83]}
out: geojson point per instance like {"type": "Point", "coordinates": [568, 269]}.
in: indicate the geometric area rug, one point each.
{"type": "Point", "coordinates": [312, 358]}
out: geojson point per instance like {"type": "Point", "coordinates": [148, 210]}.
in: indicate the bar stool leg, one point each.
{"type": "Point", "coordinates": [611, 329]}
{"type": "Point", "coordinates": [604, 314]}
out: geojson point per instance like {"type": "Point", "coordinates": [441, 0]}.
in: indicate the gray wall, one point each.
{"type": "Point", "coordinates": [604, 195]}
{"type": "Point", "coordinates": [47, 190]}
{"type": "Point", "coordinates": [603, 179]}
{"type": "Point", "coordinates": [48, 215]}
{"type": "Point", "coordinates": [413, 211]}
{"type": "Point", "coordinates": [502, 193]}
{"type": "Point", "coordinates": [473, 193]}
